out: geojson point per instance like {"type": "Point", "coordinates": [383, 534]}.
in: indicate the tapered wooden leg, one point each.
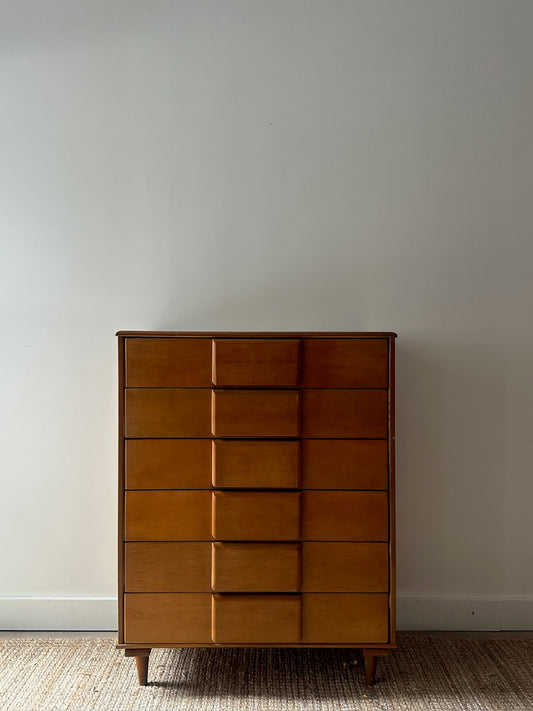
{"type": "Point", "coordinates": [142, 670]}
{"type": "Point", "coordinates": [142, 657]}
{"type": "Point", "coordinates": [371, 662]}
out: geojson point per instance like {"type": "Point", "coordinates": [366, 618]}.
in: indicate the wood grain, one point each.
{"type": "Point", "coordinates": [345, 413]}
{"type": "Point", "coordinates": [345, 617]}
{"type": "Point", "coordinates": [256, 516]}
{"type": "Point", "coordinates": [345, 363]}
{"type": "Point", "coordinates": [256, 567]}
{"type": "Point", "coordinates": [256, 362]}
{"type": "Point", "coordinates": [344, 464]}
{"type": "Point", "coordinates": [167, 617]}
{"type": "Point", "coordinates": [168, 363]}
{"type": "Point", "coordinates": [168, 566]}
{"type": "Point", "coordinates": [167, 412]}
{"type": "Point", "coordinates": [168, 515]}
{"type": "Point", "coordinates": [256, 413]}
{"type": "Point", "coordinates": [345, 516]}
{"type": "Point", "coordinates": [256, 618]}
{"type": "Point", "coordinates": [168, 464]}
{"type": "Point", "coordinates": [251, 463]}
{"type": "Point", "coordinates": [345, 567]}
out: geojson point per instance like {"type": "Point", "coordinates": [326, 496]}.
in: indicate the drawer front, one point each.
{"type": "Point", "coordinates": [345, 413]}
{"type": "Point", "coordinates": [256, 413]}
{"type": "Point", "coordinates": [345, 363]}
{"type": "Point", "coordinates": [168, 362]}
{"type": "Point", "coordinates": [168, 464]}
{"type": "Point", "coordinates": [167, 515]}
{"type": "Point", "coordinates": [168, 567]}
{"type": "Point", "coordinates": [256, 567]}
{"type": "Point", "coordinates": [256, 619]}
{"type": "Point", "coordinates": [345, 464]}
{"type": "Point", "coordinates": [254, 516]}
{"type": "Point", "coordinates": [345, 618]}
{"type": "Point", "coordinates": [167, 618]}
{"type": "Point", "coordinates": [256, 362]}
{"type": "Point", "coordinates": [345, 516]}
{"type": "Point", "coordinates": [249, 464]}
{"type": "Point", "coordinates": [167, 412]}
{"type": "Point", "coordinates": [345, 567]}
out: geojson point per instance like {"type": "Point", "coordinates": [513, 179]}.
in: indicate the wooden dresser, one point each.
{"type": "Point", "coordinates": [256, 491]}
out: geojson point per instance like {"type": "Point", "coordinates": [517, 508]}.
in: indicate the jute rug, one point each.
{"type": "Point", "coordinates": [424, 674]}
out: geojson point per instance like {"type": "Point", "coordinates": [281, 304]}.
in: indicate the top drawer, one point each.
{"type": "Point", "coordinates": [168, 362]}
{"type": "Point", "coordinates": [256, 362]}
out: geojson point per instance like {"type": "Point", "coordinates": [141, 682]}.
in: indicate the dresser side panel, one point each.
{"type": "Point", "coordinates": [121, 486]}
{"type": "Point", "coordinates": [392, 491]}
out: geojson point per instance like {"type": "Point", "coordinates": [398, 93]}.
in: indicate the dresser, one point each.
{"type": "Point", "coordinates": [256, 491]}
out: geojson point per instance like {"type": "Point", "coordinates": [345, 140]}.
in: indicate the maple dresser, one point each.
{"type": "Point", "coordinates": [256, 502]}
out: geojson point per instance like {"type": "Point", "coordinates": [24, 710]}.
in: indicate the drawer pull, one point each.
{"type": "Point", "coordinates": [254, 516]}
{"type": "Point", "coordinates": [256, 362]}
{"type": "Point", "coordinates": [256, 619]}
{"type": "Point", "coordinates": [256, 567]}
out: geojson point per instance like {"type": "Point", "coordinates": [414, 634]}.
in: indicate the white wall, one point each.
{"type": "Point", "coordinates": [290, 164]}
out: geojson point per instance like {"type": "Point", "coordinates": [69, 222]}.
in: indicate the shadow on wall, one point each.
{"type": "Point", "coordinates": [451, 464]}
{"type": "Point", "coordinates": [451, 417]}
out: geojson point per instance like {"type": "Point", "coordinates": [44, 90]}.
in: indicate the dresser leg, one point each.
{"type": "Point", "coordinates": [142, 657]}
{"type": "Point", "coordinates": [371, 661]}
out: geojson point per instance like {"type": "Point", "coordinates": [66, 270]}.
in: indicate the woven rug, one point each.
{"type": "Point", "coordinates": [425, 674]}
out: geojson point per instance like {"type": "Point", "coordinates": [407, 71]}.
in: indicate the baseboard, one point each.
{"type": "Point", "coordinates": [467, 614]}
{"type": "Point", "coordinates": [58, 613]}
{"type": "Point", "coordinates": [420, 614]}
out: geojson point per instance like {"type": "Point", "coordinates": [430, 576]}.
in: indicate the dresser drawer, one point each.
{"type": "Point", "coordinates": [168, 464]}
{"type": "Point", "coordinates": [167, 618]}
{"type": "Point", "coordinates": [256, 362]}
{"type": "Point", "coordinates": [345, 567]}
{"type": "Point", "coordinates": [345, 516]}
{"type": "Point", "coordinates": [167, 412]}
{"type": "Point", "coordinates": [256, 567]}
{"type": "Point", "coordinates": [168, 362]}
{"type": "Point", "coordinates": [168, 567]}
{"type": "Point", "coordinates": [345, 618]}
{"type": "Point", "coordinates": [167, 515]}
{"type": "Point", "coordinates": [345, 464]}
{"type": "Point", "coordinates": [345, 413]}
{"type": "Point", "coordinates": [254, 516]}
{"type": "Point", "coordinates": [256, 619]}
{"type": "Point", "coordinates": [250, 463]}
{"type": "Point", "coordinates": [256, 413]}
{"type": "Point", "coordinates": [345, 363]}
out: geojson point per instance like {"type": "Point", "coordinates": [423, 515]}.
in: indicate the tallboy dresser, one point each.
{"type": "Point", "coordinates": [256, 502]}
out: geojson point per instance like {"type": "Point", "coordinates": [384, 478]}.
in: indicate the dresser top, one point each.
{"type": "Point", "coordinates": [257, 334]}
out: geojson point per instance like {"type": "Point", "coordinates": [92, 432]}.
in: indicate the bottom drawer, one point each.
{"type": "Point", "coordinates": [202, 618]}
{"type": "Point", "coordinates": [345, 618]}
{"type": "Point", "coordinates": [259, 619]}
{"type": "Point", "coordinates": [152, 618]}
